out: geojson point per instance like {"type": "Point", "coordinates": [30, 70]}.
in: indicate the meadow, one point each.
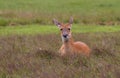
{"type": "Point", "coordinates": [36, 56]}
{"type": "Point", "coordinates": [100, 12]}
{"type": "Point", "coordinates": [31, 51]}
{"type": "Point", "coordinates": [51, 29]}
{"type": "Point", "coordinates": [29, 42]}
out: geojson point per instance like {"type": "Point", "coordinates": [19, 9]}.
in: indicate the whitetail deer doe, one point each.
{"type": "Point", "coordinates": [69, 46]}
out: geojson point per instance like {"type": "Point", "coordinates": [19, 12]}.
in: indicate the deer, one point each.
{"type": "Point", "coordinates": [69, 46]}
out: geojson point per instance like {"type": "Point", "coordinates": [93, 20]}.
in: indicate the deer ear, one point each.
{"type": "Point", "coordinates": [71, 20]}
{"type": "Point", "coordinates": [56, 23]}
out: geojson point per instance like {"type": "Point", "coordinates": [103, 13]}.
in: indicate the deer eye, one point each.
{"type": "Point", "coordinates": [61, 29]}
{"type": "Point", "coordinates": [68, 28]}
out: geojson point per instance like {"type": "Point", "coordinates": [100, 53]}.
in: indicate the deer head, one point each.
{"type": "Point", "coordinates": [65, 29]}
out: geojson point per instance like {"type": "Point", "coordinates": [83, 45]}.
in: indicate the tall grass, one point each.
{"type": "Point", "coordinates": [37, 57]}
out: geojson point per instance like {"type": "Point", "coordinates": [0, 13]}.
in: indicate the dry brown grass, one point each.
{"type": "Point", "coordinates": [37, 57]}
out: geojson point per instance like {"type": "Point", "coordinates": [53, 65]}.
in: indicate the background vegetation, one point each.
{"type": "Point", "coordinates": [102, 12]}
{"type": "Point", "coordinates": [50, 29]}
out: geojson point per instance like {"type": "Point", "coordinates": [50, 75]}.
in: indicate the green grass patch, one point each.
{"type": "Point", "coordinates": [62, 6]}
{"type": "Point", "coordinates": [47, 29]}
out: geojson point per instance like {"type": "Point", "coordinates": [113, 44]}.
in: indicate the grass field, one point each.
{"type": "Point", "coordinates": [47, 29]}
{"type": "Point", "coordinates": [29, 42]}
{"type": "Point", "coordinates": [63, 6]}
{"type": "Point", "coordinates": [32, 51]}
{"type": "Point", "coordinates": [102, 12]}
{"type": "Point", "coordinates": [21, 57]}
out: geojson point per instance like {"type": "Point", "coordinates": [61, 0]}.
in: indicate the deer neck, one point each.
{"type": "Point", "coordinates": [68, 45]}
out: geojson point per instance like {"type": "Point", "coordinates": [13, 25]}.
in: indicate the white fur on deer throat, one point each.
{"type": "Point", "coordinates": [65, 39]}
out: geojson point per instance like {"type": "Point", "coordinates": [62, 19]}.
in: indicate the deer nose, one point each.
{"type": "Point", "coordinates": [65, 35]}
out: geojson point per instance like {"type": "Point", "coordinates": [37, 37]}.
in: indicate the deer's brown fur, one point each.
{"type": "Point", "coordinates": [69, 46]}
